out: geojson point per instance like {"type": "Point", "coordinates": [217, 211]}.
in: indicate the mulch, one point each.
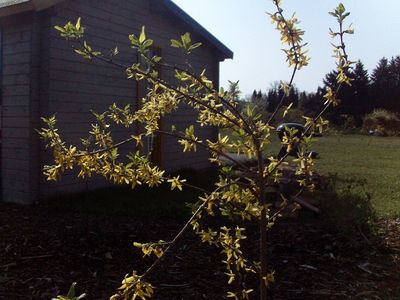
{"type": "Point", "coordinates": [44, 250]}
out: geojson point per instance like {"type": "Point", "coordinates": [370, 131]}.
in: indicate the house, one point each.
{"type": "Point", "coordinates": [40, 76]}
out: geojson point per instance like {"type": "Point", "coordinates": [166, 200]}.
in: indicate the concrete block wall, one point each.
{"type": "Point", "coordinates": [42, 76]}
{"type": "Point", "coordinates": [17, 89]}
{"type": "Point", "coordinates": [76, 85]}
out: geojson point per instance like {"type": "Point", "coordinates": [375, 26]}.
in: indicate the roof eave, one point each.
{"type": "Point", "coordinates": [37, 5]}
{"type": "Point", "coordinates": [27, 5]}
{"type": "Point", "coordinates": [225, 52]}
{"type": "Point", "coordinates": [16, 9]}
{"type": "Point", "coordinates": [43, 4]}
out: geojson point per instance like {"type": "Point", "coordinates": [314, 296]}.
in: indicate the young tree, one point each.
{"type": "Point", "coordinates": [241, 191]}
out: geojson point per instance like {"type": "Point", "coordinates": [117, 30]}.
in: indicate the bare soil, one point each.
{"type": "Point", "coordinates": [43, 250]}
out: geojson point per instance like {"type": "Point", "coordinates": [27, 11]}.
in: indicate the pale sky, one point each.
{"type": "Point", "coordinates": [243, 26]}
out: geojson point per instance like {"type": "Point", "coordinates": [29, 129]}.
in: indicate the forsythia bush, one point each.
{"type": "Point", "coordinates": [240, 191]}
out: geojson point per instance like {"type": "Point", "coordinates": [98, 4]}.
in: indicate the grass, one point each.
{"type": "Point", "coordinates": [373, 162]}
{"type": "Point", "coordinates": [362, 166]}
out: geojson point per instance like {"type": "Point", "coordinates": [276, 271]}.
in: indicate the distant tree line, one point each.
{"type": "Point", "coordinates": [380, 89]}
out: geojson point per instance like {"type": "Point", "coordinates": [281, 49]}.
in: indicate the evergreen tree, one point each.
{"type": "Point", "coordinates": [311, 103]}
{"type": "Point", "coordinates": [361, 103]}
{"type": "Point", "coordinates": [254, 96]}
{"type": "Point", "coordinates": [272, 100]}
{"type": "Point", "coordinates": [380, 82]}
{"type": "Point", "coordinates": [259, 95]}
{"type": "Point", "coordinates": [381, 73]}
{"type": "Point", "coordinates": [394, 83]}
{"type": "Point", "coordinates": [345, 96]}
{"type": "Point", "coordinates": [386, 84]}
{"type": "Point", "coordinates": [294, 96]}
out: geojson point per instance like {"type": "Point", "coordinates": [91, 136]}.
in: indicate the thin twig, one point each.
{"type": "Point", "coordinates": [37, 257]}
{"type": "Point", "coordinates": [174, 241]}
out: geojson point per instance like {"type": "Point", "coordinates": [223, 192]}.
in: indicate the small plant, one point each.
{"type": "Point", "coordinates": [240, 192]}
{"type": "Point", "coordinates": [71, 294]}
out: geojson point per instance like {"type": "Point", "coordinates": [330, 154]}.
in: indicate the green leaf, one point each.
{"type": "Point", "coordinates": [287, 109]}
{"type": "Point", "coordinates": [349, 31]}
{"type": "Point", "coordinates": [249, 111]}
{"type": "Point", "coordinates": [133, 39]}
{"type": "Point", "coordinates": [80, 52]}
{"type": "Point", "coordinates": [186, 40]}
{"type": "Point", "coordinates": [147, 43]}
{"type": "Point", "coordinates": [114, 153]}
{"type": "Point", "coordinates": [194, 46]}
{"type": "Point", "coordinates": [190, 130]}
{"type": "Point", "coordinates": [78, 24]}
{"type": "Point", "coordinates": [156, 59]}
{"type": "Point", "coordinates": [59, 28]}
{"type": "Point", "coordinates": [71, 292]}
{"type": "Point", "coordinates": [176, 44]}
{"type": "Point", "coordinates": [341, 8]}
{"type": "Point", "coordinates": [115, 51]}
{"type": "Point", "coordinates": [142, 36]}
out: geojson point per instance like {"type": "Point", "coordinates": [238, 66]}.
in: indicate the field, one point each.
{"type": "Point", "coordinates": [367, 166]}
{"type": "Point", "coordinates": [372, 162]}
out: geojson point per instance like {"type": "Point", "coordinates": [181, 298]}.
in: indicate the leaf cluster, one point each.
{"type": "Point", "coordinates": [71, 31]}
{"type": "Point", "coordinates": [185, 44]}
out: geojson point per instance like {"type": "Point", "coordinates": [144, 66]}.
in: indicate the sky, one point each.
{"type": "Point", "coordinates": [245, 28]}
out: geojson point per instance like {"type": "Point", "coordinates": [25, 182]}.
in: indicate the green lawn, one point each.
{"type": "Point", "coordinates": [361, 165]}
{"type": "Point", "coordinates": [372, 160]}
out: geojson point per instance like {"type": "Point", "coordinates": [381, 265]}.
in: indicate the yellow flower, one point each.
{"type": "Point", "coordinates": [176, 183]}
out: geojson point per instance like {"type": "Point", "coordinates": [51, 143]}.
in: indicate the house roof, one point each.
{"type": "Point", "coordinates": [10, 7]}
{"type": "Point", "coordinates": [180, 13]}
{"type": "Point", "coordinates": [5, 3]}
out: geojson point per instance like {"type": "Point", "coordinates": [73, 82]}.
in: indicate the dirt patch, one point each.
{"type": "Point", "coordinates": [43, 250]}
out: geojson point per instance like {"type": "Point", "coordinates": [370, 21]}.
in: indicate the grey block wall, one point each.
{"type": "Point", "coordinates": [19, 105]}
{"type": "Point", "coordinates": [43, 76]}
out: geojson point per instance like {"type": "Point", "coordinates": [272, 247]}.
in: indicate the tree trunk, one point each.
{"type": "Point", "coordinates": [263, 254]}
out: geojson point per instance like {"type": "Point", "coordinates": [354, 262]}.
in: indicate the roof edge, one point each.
{"type": "Point", "coordinates": [179, 12]}
{"type": "Point", "coordinates": [37, 5]}
{"type": "Point", "coordinates": [26, 5]}
{"type": "Point", "coordinates": [19, 7]}
{"type": "Point", "coordinates": [43, 4]}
